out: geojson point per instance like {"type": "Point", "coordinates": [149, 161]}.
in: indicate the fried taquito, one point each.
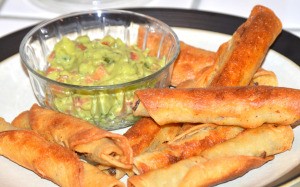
{"type": "Point", "coordinates": [264, 77]}
{"type": "Point", "coordinates": [190, 62]}
{"type": "Point", "coordinates": [220, 170]}
{"type": "Point", "coordinates": [5, 126]}
{"type": "Point", "coordinates": [224, 161]}
{"type": "Point", "coordinates": [51, 161]}
{"type": "Point", "coordinates": [146, 135]}
{"type": "Point", "coordinates": [248, 107]}
{"type": "Point", "coordinates": [244, 53]}
{"type": "Point", "coordinates": [237, 60]}
{"type": "Point", "coordinates": [198, 171]}
{"type": "Point", "coordinates": [189, 143]}
{"type": "Point", "coordinates": [98, 145]}
{"type": "Point", "coordinates": [265, 140]}
{"type": "Point", "coordinates": [141, 134]}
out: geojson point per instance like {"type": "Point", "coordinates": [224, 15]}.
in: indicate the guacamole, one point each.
{"type": "Point", "coordinates": [99, 62]}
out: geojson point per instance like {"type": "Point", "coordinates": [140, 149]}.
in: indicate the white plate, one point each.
{"type": "Point", "coordinates": [16, 96]}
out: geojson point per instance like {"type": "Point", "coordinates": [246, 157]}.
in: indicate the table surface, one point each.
{"type": "Point", "coordinates": [18, 14]}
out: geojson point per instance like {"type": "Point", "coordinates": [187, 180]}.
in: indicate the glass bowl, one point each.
{"type": "Point", "coordinates": [109, 106]}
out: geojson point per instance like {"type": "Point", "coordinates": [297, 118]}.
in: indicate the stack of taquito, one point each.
{"type": "Point", "coordinates": [223, 117]}
{"type": "Point", "coordinates": [64, 149]}
{"type": "Point", "coordinates": [226, 117]}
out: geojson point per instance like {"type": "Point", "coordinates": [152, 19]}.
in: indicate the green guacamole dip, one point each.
{"type": "Point", "coordinates": [106, 61]}
{"type": "Point", "coordinates": [98, 62]}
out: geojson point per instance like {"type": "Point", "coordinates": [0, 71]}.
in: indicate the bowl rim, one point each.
{"type": "Point", "coordinates": [99, 87]}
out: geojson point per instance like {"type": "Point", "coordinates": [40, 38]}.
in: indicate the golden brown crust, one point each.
{"type": "Point", "coordinates": [188, 171]}
{"type": "Point", "coordinates": [5, 126]}
{"type": "Point", "coordinates": [166, 134]}
{"type": "Point", "coordinates": [141, 134]}
{"type": "Point", "coordinates": [167, 176]}
{"type": "Point", "coordinates": [188, 144]}
{"type": "Point", "coordinates": [95, 177]}
{"type": "Point", "coordinates": [264, 77]}
{"type": "Point", "coordinates": [244, 53]}
{"type": "Point", "coordinates": [220, 170]}
{"type": "Point", "coordinates": [263, 141]}
{"type": "Point", "coordinates": [222, 162]}
{"type": "Point", "coordinates": [81, 136]}
{"type": "Point", "coordinates": [190, 63]}
{"type": "Point", "coordinates": [22, 120]}
{"type": "Point", "coordinates": [46, 159]}
{"type": "Point", "coordinates": [51, 161]}
{"type": "Point", "coordinates": [248, 107]}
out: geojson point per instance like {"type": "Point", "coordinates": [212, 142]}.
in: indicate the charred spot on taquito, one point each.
{"type": "Point", "coordinates": [112, 171]}
{"type": "Point", "coordinates": [136, 104]}
{"type": "Point", "coordinates": [264, 154]}
{"type": "Point", "coordinates": [173, 159]}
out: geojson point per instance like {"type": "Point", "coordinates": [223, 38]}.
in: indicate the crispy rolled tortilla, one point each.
{"type": "Point", "coordinates": [51, 161]}
{"type": "Point", "coordinates": [141, 134]}
{"type": "Point", "coordinates": [96, 144]}
{"type": "Point", "coordinates": [202, 79]}
{"type": "Point", "coordinates": [261, 77]}
{"type": "Point", "coordinates": [190, 62]}
{"type": "Point", "coordinates": [210, 171]}
{"type": "Point", "coordinates": [5, 126]}
{"type": "Point", "coordinates": [146, 135]}
{"type": "Point", "coordinates": [220, 170]}
{"type": "Point", "coordinates": [248, 107]}
{"type": "Point", "coordinates": [22, 120]}
{"type": "Point", "coordinates": [237, 60]}
{"type": "Point", "coordinates": [168, 176]}
{"type": "Point", "coordinates": [166, 134]}
{"type": "Point", "coordinates": [264, 77]}
{"type": "Point", "coordinates": [240, 58]}
{"type": "Point", "coordinates": [265, 140]}
{"type": "Point", "coordinates": [224, 161]}
{"type": "Point", "coordinates": [188, 144]}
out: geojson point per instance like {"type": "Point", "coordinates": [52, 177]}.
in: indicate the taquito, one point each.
{"type": "Point", "coordinates": [51, 161]}
{"type": "Point", "coordinates": [166, 134]}
{"type": "Point", "coordinates": [245, 52]}
{"type": "Point", "coordinates": [210, 171]}
{"type": "Point", "coordinates": [224, 161]}
{"type": "Point", "coordinates": [261, 77]}
{"type": "Point", "coordinates": [190, 143]}
{"type": "Point", "coordinates": [220, 170]}
{"type": "Point", "coordinates": [237, 60]}
{"type": "Point", "coordinates": [5, 126]}
{"type": "Point", "coordinates": [141, 134]}
{"type": "Point", "coordinates": [265, 140]}
{"type": "Point", "coordinates": [22, 120]}
{"type": "Point", "coordinates": [248, 107]}
{"type": "Point", "coordinates": [168, 176]}
{"type": "Point", "coordinates": [98, 145]}
{"type": "Point", "coordinates": [264, 77]}
{"type": "Point", "coordinates": [190, 62]}
{"type": "Point", "coordinates": [146, 135]}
